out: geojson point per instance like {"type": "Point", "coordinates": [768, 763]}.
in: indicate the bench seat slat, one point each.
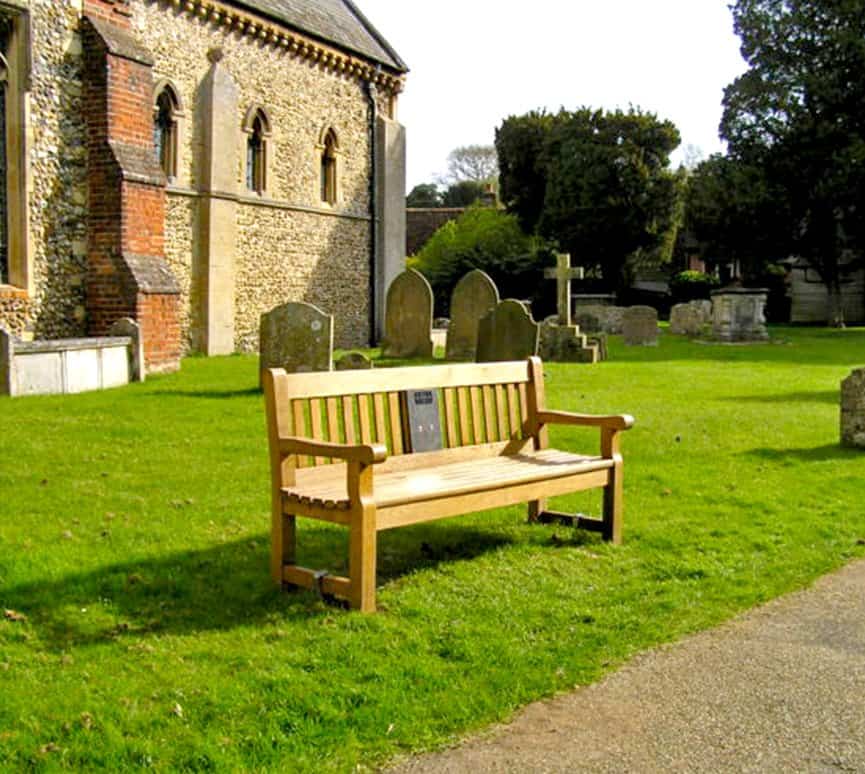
{"type": "Point", "coordinates": [402, 487]}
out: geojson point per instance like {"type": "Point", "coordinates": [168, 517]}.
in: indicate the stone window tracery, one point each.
{"type": "Point", "coordinates": [257, 127]}
{"type": "Point", "coordinates": [329, 167]}
{"type": "Point", "coordinates": [167, 115]}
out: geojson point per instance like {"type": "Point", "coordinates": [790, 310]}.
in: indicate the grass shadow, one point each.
{"type": "Point", "coordinates": [221, 587]}
{"type": "Point", "coordinates": [207, 394]}
{"type": "Point", "coordinates": [825, 453]}
{"type": "Point", "coordinates": [818, 396]}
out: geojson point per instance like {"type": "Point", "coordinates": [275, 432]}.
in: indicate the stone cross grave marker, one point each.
{"type": "Point", "coordinates": [563, 274]}
{"type": "Point", "coordinates": [474, 296]}
{"type": "Point", "coordinates": [507, 332]}
{"type": "Point", "coordinates": [297, 337]}
{"type": "Point", "coordinates": [408, 316]}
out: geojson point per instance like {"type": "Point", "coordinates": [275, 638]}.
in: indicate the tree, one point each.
{"type": "Point", "coordinates": [476, 163]}
{"type": "Point", "coordinates": [599, 184]}
{"type": "Point", "coordinates": [463, 194]}
{"type": "Point", "coordinates": [797, 113]}
{"type": "Point", "coordinates": [424, 195]}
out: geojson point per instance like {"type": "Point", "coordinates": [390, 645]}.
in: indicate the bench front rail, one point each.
{"type": "Point", "coordinates": [340, 452]}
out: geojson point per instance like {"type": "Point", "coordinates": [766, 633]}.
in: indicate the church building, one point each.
{"type": "Point", "coordinates": [193, 163]}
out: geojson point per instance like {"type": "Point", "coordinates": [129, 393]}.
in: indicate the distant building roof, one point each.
{"type": "Point", "coordinates": [339, 22]}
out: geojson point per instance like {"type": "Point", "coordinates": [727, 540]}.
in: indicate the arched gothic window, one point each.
{"type": "Point", "coordinates": [257, 128]}
{"type": "Point", "coordinates": [329, 167]}
{"type": "Point", "coordinates": [166, 128]}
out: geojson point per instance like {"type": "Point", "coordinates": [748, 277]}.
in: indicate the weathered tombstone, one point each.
{"type": "Point", "coordinates": [353, 361]}
{"type": "Point", "coordinates": [507, 332]}
{"type": "Point", "coordinates": [128, 327]}
{"type": "Point", "coordinates": [853, 410]}
{"type": "Point", "coordinates": [640, 326]}
{"type": "Point", "coordinates": [704, 309]}
{"type": "Point", "coordinates": [588, 321]}
{"type": "Point", "coordinates": [474, 296]}
{"type": "Point", "coordinates": [685, 320]}
{"type": "Point", "coordinates": [408, 317]}
{"type": "Point", "coordinates": [297, 337]}
{"type": "Point", "coordinates": [738, 314]}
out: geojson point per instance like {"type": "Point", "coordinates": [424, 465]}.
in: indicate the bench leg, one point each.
{"type": "Point", "coordinates": [362, 560]}
{"type": "Point", "coordinates": [612, 530]}
{"type": "Point", "coordinates": [283, 545]}
{"type": "Point", "coordinates": [536, 508]}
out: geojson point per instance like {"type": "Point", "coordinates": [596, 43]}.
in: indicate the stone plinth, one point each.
{"type": "Point", "coordinates": [853, 410]}
{"type": "Point", "coordinates": [738, 314]}
{"type": "Point", "coordinates": [565, 344]}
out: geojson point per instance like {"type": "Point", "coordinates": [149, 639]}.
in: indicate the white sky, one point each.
{"type": "Point", "coordinates": [475, 62]}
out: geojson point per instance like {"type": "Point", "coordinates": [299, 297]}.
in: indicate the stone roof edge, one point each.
{"type": "Point", "coordinates": [380, 39]}
{"type": "Point", "coordinates": [339, 57]}
{"type": "Point", "coordinates": [119, 42]}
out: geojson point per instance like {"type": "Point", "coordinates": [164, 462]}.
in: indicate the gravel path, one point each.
{"type": "Point", "coordinates": [781, 688]}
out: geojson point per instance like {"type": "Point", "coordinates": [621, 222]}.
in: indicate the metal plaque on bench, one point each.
{"type": "Point", "coordinates": [423, 420]}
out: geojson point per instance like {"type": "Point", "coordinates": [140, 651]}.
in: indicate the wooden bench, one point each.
{"type": "Point", "coordinates": [340, 451]}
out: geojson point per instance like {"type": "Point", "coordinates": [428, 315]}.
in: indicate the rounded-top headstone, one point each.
{"type": "Point", "coordinates": [408, 317]}
{"type": "Point", "coordinates": [474, 296]}
{"type": "Point", "coordinates": [297, 337]}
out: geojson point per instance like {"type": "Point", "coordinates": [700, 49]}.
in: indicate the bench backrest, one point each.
{"type": "Point", "coordinates": [484, 403]}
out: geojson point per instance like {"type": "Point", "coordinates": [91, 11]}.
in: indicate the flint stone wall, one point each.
{"type": "Point", "coordinates": [58, 189]}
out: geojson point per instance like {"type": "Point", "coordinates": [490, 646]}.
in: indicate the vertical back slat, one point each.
{"type": "Point", "coordinates": [450, 418]}
{"type": "Point", "coordinates": [297, 410]}
{"type": "Point", "coordinates": [477, 425]}
{"type": "Point", "coordinates": [524, 410]}
{"type": "Point", "coordinates": [348, 419]}
{"type": "Point", "coordinates": [465, 432]}
{"type": "Point", "coordinates": [489, 417]}
{"type": "Point", "coordinates": [315, 406]}
{"type": "Point", "coordinates": [333, 421]}
{"type": "Point", "coordinates": [514, 409]}
{"type": "Point", "coordinates": [395, 424]}
{"type": "Point", "coordinates": [363, 417]}
{"type": "Point", "coordinates": [501, 412]}
{"type": "Point", "coordinates": [380, 419]}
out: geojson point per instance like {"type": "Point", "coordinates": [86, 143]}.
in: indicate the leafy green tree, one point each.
{"type": "Point", "coordinates": [481, 238]}
{"type": "Point", "coordinates": [797, 112]}
{"type": "Point", "coordinates": [424, 195]}
{"type": "Point", "coordinates": [611, 199]}
{"type": "Point", "coordinates": [463, 194]}
{"type": "Point", "coordinates": [520, 144]}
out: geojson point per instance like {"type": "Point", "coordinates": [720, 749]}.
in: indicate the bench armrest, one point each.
{"type": "Point", "coordinates": [613, 422]}
{"type": "Point", "coordinates": [366, 454]}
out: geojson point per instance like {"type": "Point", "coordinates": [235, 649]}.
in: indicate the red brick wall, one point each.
{"type": "Point", "coordinates": [126, 218]}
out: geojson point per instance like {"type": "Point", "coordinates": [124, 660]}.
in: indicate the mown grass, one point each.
{"type": "Point", "coordinates": [134, 538]}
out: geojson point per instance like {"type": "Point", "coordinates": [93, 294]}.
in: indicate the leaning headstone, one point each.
{"type": "Point", "coordinates": [640, 326]}
{"type": "Point", "coordinates": [474, 296]}
{"type": "Point", "coordinates": [853, 410]}
{"type": "Point", "coordinates": [128, 327]}
{"type": "Point", "coordinates": [507, 332]}
{"type": "Point", "coordinates": [353, 361]}
{"type": "Point", "coordinates": [685, 320]}
{"type": "Point", "coordinates": [738, 314]}
{"type": "Point", "coordinates": [408, 317]}
{"type": "Point", "coordinates": [297, 337]}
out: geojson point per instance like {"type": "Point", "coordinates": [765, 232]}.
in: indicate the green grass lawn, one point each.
{"type": "Point", "coordinates": [134, 539]}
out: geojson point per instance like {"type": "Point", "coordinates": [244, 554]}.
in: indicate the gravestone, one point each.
{"type": "Point", "coordinates": [640, 326]}
{"type": "Point", "coordinates": [853, 410]}
{"type": "Point", "coordinates": [474, 296]}
{"type": "Point", "coordinates": [297, 337]}
{"type": "Point", "coordinates": [353, 361]}
{"type": "Point", "coordinates": [738, 314]}
{"type": "Point", "coordinates": [704, 309]}
{"type": "Point", "coordinates": [588, 321]}
{"type": "Point", "coordinates": [686, 320]}
{"type": "Point", "coordinates": [126, 326]}
{"type": "Point", "coordinates": [563, 274]}
{"type": "Point", "coordinates": [408, 317]}
{"type": "Point", "coordinates": [507, 332]}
